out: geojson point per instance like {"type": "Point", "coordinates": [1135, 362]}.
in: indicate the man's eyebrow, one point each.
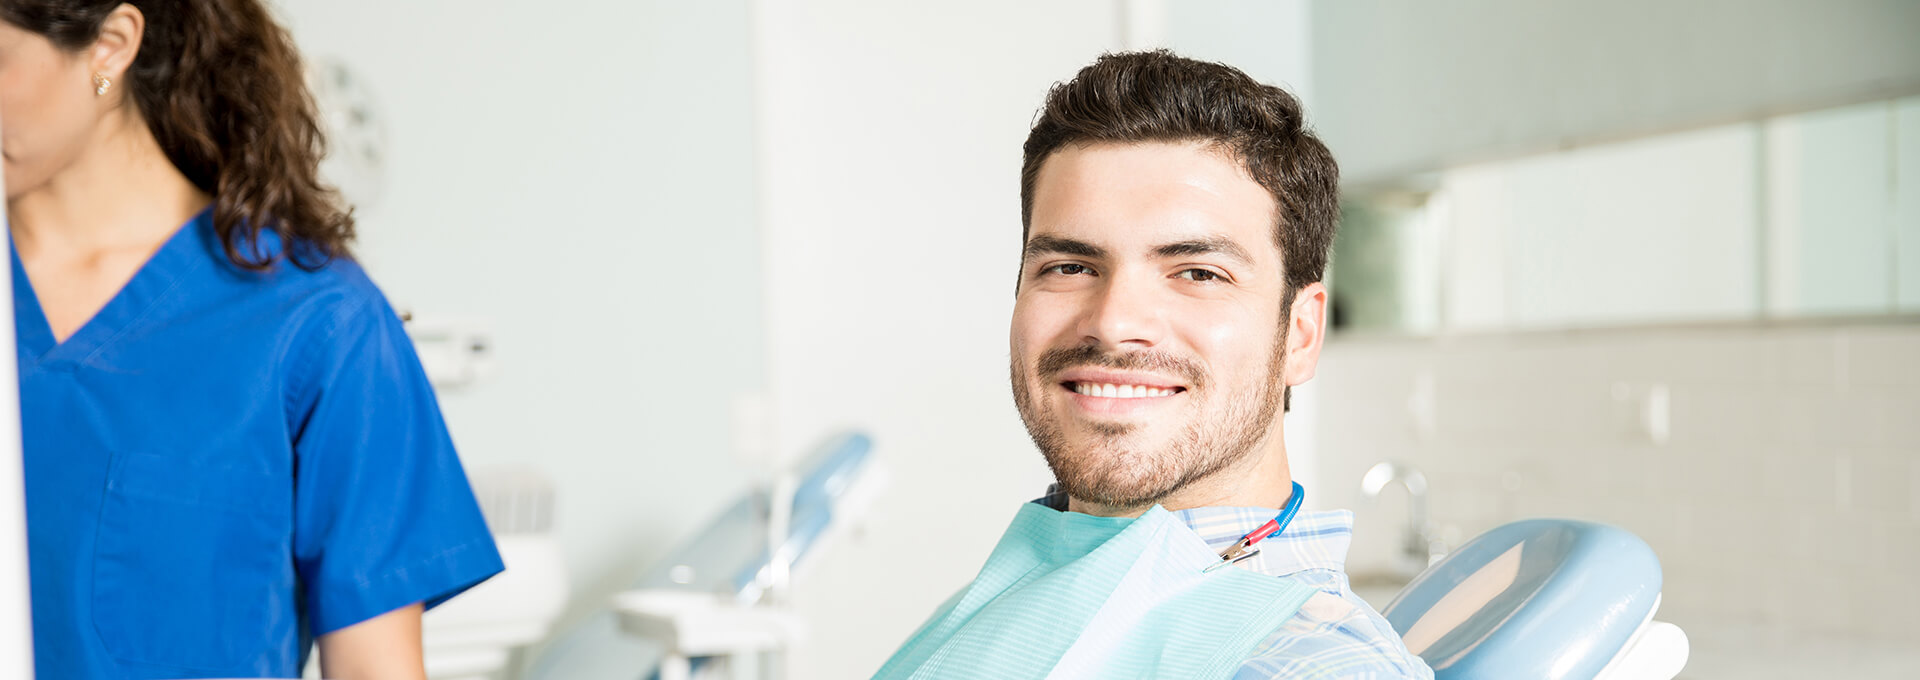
{"type": "Point", "coordinates": [1053, 245]}
{"type": "Point", "coordinates": [1203, 246]}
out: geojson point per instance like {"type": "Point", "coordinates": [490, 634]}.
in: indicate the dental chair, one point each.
{"type": "Point", "coordinates": [1543, 598]}
{"type": "Point", "coordinates": [718, 611]}
{"type": "Point", "coordinates": [706, 603]}
{"type": "Point", "coordinates": [475, 635]}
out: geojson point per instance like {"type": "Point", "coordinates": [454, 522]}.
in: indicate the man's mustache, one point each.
{"type": "Point", "coordinates": [1056, 361]}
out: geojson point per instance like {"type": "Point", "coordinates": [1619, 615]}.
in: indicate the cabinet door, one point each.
{"type": "Point", "coordinates": [1661, 229]}
{"type": "Point", "coordinates": [1830, 212]}
{"type": "Point", "coordinates": [1907, 204]}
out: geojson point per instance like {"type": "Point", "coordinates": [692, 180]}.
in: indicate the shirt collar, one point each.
{"type": "Point", "coordinates": [1313, 540]}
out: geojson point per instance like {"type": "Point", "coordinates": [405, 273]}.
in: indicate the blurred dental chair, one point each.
{"type": "Point", "coordinates": [706, 611]}
{"type": "Point", "coordinates": [1551, 599]}
{"type": "Point", "coordinates": [473, 636]}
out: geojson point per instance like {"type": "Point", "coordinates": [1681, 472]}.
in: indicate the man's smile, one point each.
{"type": "Point", "coordinates": [1111, 391]}
{"type": "Point", "coordinates": [1118, 393]}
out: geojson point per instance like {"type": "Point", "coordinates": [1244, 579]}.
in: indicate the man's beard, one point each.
{"type": "Point", "coordinates": [1108, 470]}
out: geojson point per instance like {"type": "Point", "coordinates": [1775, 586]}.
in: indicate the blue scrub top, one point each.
{"type": "Point", "coordinates": [222, 464]}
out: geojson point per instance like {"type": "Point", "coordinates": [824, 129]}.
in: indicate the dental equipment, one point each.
{"type": "Point", "coordinates": [1246, 546]}
{"type": "Point", "coordinates": [704, 602]}
{"type": "Point", "coordinates": [473, 636]}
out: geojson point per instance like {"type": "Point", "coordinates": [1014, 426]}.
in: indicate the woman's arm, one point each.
{"type": "Point", "coordinates": [385, 647]}
{"type": "Point", "coordinates": [383, 514]}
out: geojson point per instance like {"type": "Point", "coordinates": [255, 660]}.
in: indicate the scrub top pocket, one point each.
{"type": "Point", "coordinates": [187, 558]}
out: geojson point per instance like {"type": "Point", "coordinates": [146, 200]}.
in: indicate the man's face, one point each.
{"type": "Point", "coordinates": [1148, 338]}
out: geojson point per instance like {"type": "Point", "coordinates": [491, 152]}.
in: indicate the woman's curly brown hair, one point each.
{"type": "Point", "coordinates": [220, 85]}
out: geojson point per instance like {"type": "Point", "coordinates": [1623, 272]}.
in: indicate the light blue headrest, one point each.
{"type": "Point", "coordinates": [1539, 598]}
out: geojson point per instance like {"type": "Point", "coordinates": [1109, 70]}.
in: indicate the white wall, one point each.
{"type": "Point", "coordinates": [1408, 86]}
{"type": "Point", "coordinates": [580, 176]}
{"type": "Point", "coordinates": [890, 153]}
{"type": "Point", "coordinates": [1784, 505]}
{"type": "Point", "coordinates": [1272, 40]}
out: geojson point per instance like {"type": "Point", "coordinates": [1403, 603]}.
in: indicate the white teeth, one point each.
{"type": "Point", "coordinates": [1120, 391]}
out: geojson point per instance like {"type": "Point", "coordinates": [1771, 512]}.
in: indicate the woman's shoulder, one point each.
{"type": "Point", "coordinates": [294, 279]}
{"type": "Point", "coordinates": [338, 275]}
{"type": "Point", "coordinates": [299, 305]}
{"type": "Point", "coordinates": [334, 290]}
{"type": "Point", "coordinates": [335, 318]}
{"type": "Point", "coordinates": [302, 301]}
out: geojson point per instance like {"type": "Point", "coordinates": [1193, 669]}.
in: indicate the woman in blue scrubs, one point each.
{"type": "Point", "coordinates": [230, 448]}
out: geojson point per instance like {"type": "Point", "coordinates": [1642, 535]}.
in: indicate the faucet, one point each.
{"type": "Point", "coordinates": [1417, 547]}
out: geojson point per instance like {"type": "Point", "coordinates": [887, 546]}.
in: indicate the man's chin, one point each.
{"type": "Point", "coordinates": [1108, 441]}
{"type": "Point", "coordinates": [1106, 471]}
{"type": "Point", "coordinates": [1105, 434]}
{"type": "Point", "coordinates": [1115, 493]}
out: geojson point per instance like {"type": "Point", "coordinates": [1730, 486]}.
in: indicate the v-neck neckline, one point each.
{"type": "Point", "coordinates": [177, 258]}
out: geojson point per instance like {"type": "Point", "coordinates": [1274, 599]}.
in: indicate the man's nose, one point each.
{"type": "Point", "coordinates": [1128, 310]}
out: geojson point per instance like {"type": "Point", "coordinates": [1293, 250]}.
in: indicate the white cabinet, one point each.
{"type": "Point", "coordinates": [1906, 206]}
{"type": "Point", "coordinates": [1655, 230]}
{"type": "Point", "coordinates": [1660, 229]}
{"type": "Point", "coordinates": [1813, 215]}
{"type": "Point", "coordinates": [1829, 209]}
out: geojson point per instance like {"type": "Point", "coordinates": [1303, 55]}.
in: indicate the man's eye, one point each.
{"type": "Point", "coordinates": [1199, 275]}
{"type": "Point", "coordinates": [1069, 269]}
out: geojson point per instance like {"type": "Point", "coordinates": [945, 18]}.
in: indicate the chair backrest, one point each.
{"type": "Point", "coordinates": [1540, 598]}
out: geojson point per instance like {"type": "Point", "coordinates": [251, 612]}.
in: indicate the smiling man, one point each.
{"type": "Point", "coordinates": [1178, 217]}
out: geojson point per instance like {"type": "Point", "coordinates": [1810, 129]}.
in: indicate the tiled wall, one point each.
{"type": "Point", "coordinates": [1784, 496]}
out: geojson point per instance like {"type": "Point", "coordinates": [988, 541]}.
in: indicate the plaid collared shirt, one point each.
{"type": "Point", "coordinates": [1335, 635]}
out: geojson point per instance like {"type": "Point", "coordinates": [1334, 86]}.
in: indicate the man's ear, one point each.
{"type": "Point", "coordinates": [1306, 332]}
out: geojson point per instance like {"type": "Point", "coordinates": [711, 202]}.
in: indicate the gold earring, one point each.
{"type": "Point", "coordinates": [100, 83]}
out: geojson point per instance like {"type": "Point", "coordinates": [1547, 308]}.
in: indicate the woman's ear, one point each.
{"type": "Point", "coordinates": [119, 42]}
